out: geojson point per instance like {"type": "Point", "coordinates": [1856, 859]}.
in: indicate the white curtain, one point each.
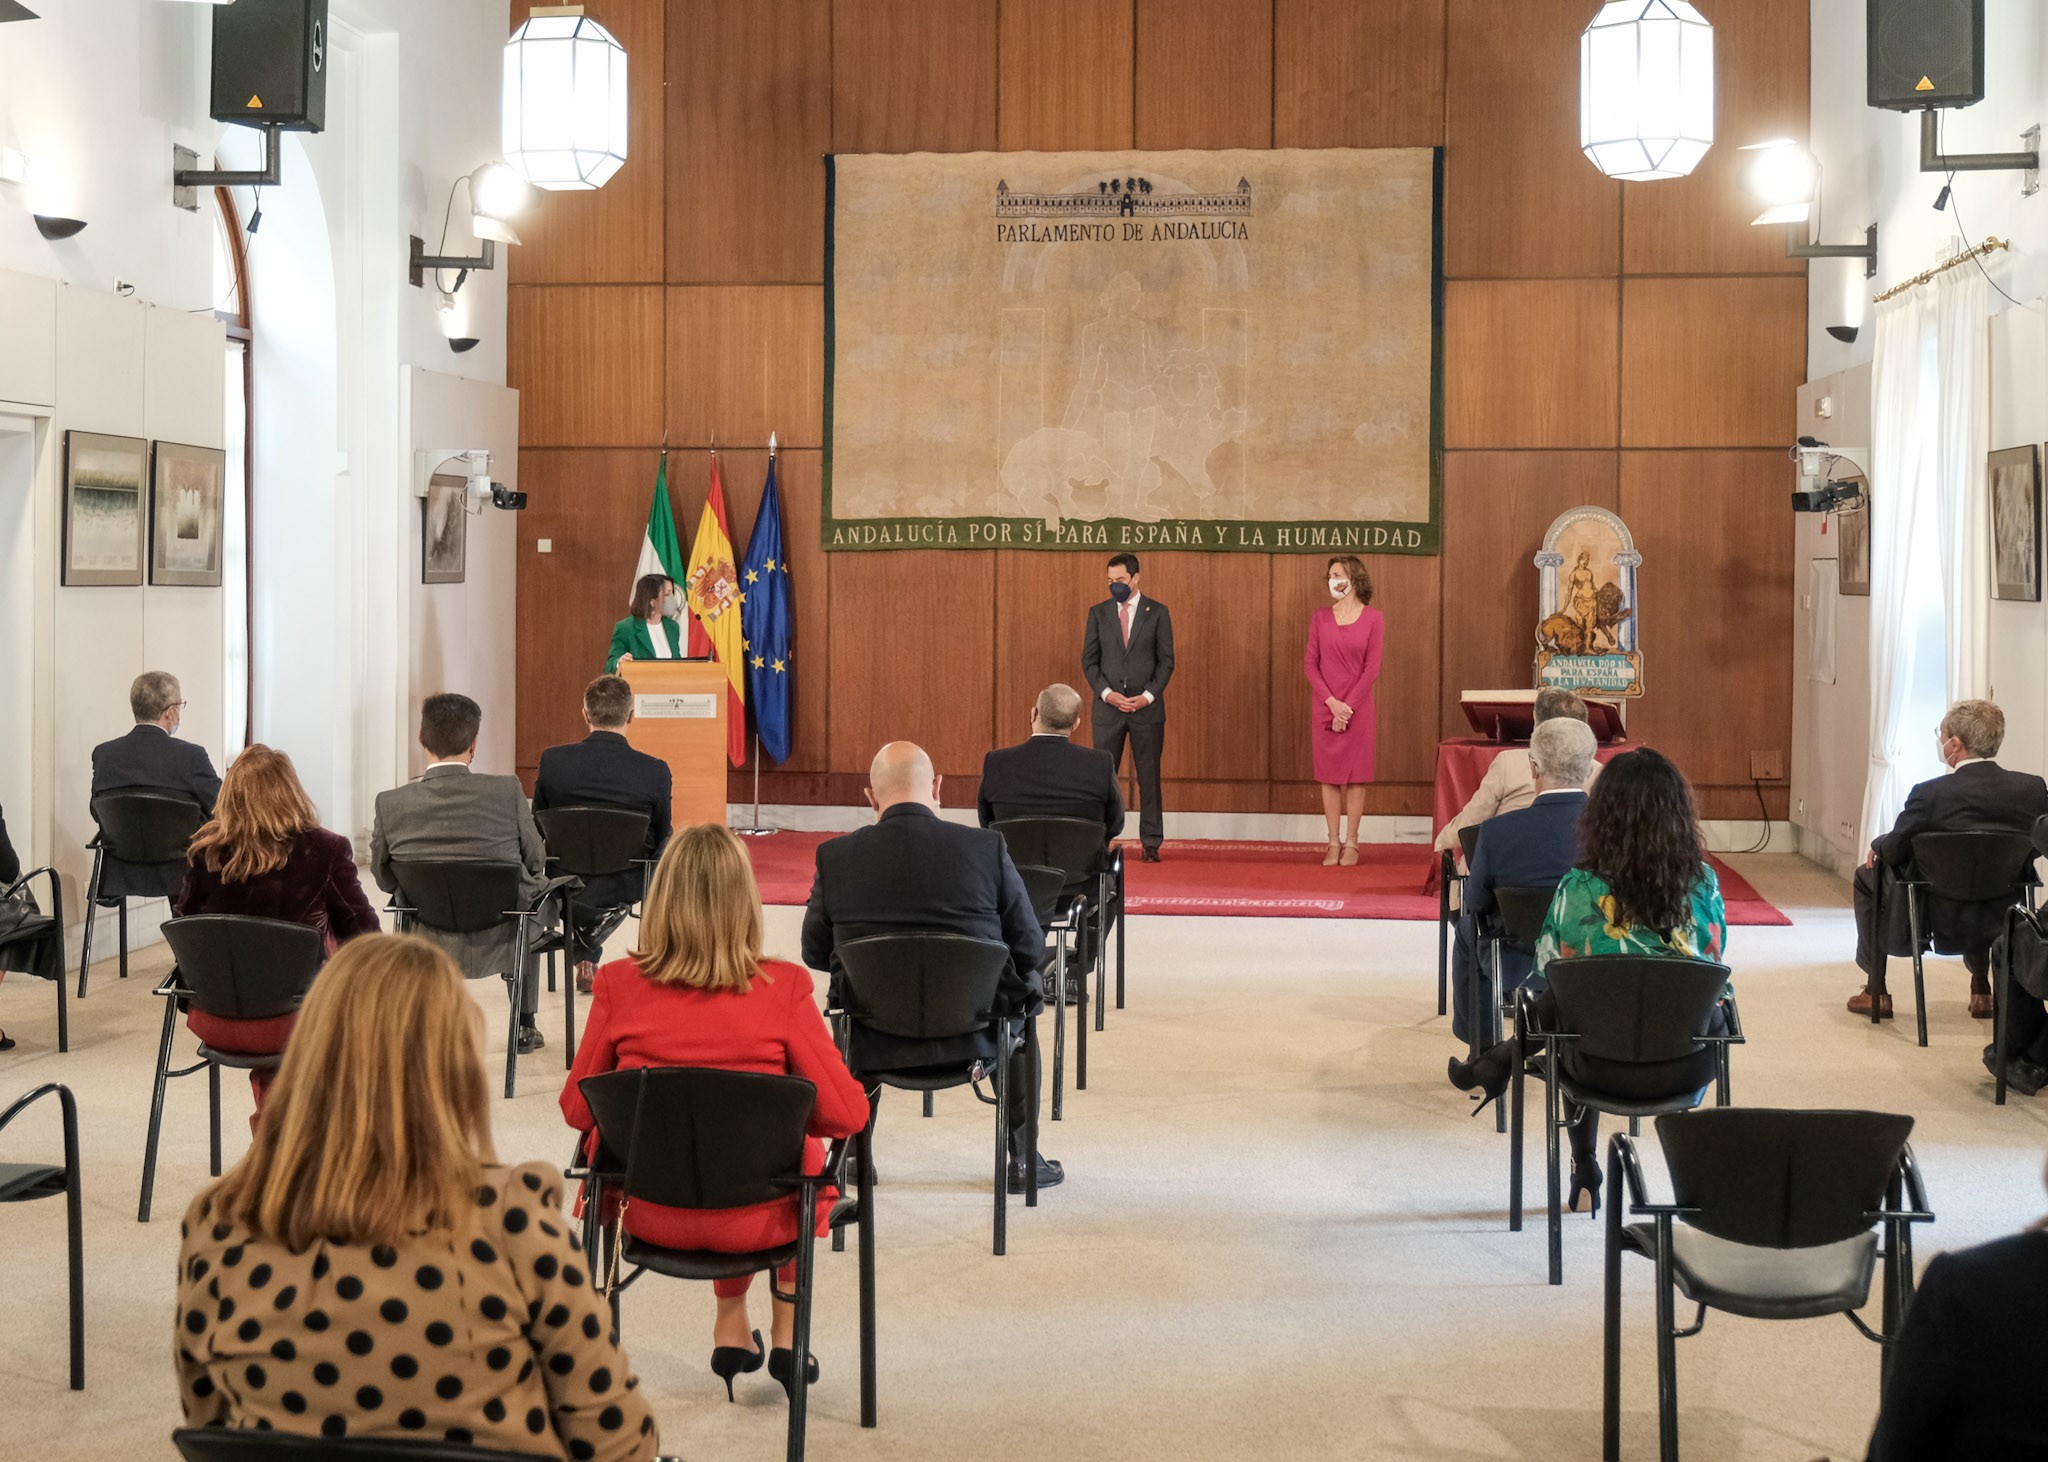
{"type": "Point", "coordinates": [1962, 437]}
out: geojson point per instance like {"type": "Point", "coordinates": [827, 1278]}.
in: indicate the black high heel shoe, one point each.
{"type": "Point", "coordinates": [1585, 1179]}
{"type": "Point", "coordinates": [1489, 1072]}
{"type": "Point", "coordinates": [781, 1367]}
{"type": "Point", "coordinates": [728, 1361]}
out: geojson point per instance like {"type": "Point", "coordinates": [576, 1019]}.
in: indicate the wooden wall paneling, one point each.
{"type": "Point", "coordinates": [608, 235]}
{"type": "Point", "coordinates": [1181, 794]}
{"type": "Point", "coordinates": [1700, 224]}
{"type": "Point", "coordinates": [1353, 75]}
{"type": "Point", "coordinates": [1217, 713]}
{"type": "Point", "coordinates": [1520, 199]}
{"type": "Point", "coordinates": [592, 507]}
{"type": "Point", "coordinates": [749, 121]}
{"type": "Point", "coordinates": [1532, 363]}
{"type": "Point", "coordinates": [745, 360]}
{"type": "Point", "coordinates": [586, 360]}
{"type": "Point", "coordinates": [1382, 799]}
{"type": "Point", "coordinates": [1063, 76]}
{"type": "Point", "coordinates": [1711, 362]}
{"type": "Point", "coordinates": [912, 655]}
{"type": "Point", "coordinates": [1497, 506]}
{"type": "Point", "coordinates": [1715, 610]}
{"type": "Point", "coordinates": [913, 75]}
{"type": "Point", "coordinates": [1204, 73]}
{"type": "Point", "coordinates": [1042, 602]}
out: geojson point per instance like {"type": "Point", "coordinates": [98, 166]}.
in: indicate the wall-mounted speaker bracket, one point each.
{"type": "Point", "coordinates": [187, 178]}
{"type": "Point", "coordinates": [1934, 160]}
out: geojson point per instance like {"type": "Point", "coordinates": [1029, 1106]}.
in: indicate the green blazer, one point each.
{"type": "Point", "coordinates": [630, 637]}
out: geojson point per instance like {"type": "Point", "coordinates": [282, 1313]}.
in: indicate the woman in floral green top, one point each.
{"type": "Point", "coordinates": [1643, 887]}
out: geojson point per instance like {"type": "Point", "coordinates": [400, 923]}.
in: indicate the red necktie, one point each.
{"type": "Point", "coordinates": [1123, 615]}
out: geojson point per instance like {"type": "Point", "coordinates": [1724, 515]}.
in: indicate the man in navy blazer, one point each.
{"type": "Point", "coordinates": [1977, 795]}
{"type": "Point", "coordinates": [1127, 655]}
{"type": "Point", "coordinates": [601, 770]}
{"type": "Point", "coordinates": [1049, 776]}
{"type": "Point", "coordinates": [1528, 848]}
{"type": "Point", "coordinates": [150, 758]}
{"type": "Point", "coordinates": [915, 873]}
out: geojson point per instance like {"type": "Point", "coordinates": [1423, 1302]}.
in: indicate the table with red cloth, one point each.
{"type": "Point", "coordinates": [1461, 763]}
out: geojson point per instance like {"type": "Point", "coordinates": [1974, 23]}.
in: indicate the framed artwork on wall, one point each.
{"type": "Point", "coordinates": [2013, 476]}
{"type": "Point", "coordinates": [1852, 551]}
{"type": "Point", "coordinates": [103, 500]}
{"type": "Point", "coordinates": [185, 514]}
{"type": "Point", "coordinates": [444, 531]}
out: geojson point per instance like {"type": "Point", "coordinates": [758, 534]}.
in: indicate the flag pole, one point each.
{"type": "Point", "coordinates": [758, 831]}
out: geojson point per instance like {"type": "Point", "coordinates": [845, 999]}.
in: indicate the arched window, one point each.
{"type": "Point", "coordinates": [231, 307]}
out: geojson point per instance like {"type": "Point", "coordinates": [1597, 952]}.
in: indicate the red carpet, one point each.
{"type": "Point", "coordinates": [1245, 880]}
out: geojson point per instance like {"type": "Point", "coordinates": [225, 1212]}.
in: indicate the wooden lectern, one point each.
{"type": "Point", "coordinates": [679, 716]}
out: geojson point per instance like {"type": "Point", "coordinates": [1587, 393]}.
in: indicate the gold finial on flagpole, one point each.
{"type": "Point", "coordinates": [771, 444]}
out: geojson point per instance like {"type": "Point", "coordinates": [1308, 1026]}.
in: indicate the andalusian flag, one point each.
{"type": "Point", "coordinates": [661, 552]}
{"type": "Point", "coordinates": [715, 599]}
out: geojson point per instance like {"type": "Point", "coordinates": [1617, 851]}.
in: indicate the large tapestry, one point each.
{"type": "Point", "coordinates": [1207, 350]}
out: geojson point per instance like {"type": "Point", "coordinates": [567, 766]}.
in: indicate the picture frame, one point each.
{"type": "Point", "coordinates": [187, 511]}
{"type": "Point", "coordinates": [444, 529]}
{"type": "Point", "coordinates": [1852, 549]}
{"type": "Point", "coordinates": [2013, 490]}
{"type": "Point", "coordinates": [104, 526]}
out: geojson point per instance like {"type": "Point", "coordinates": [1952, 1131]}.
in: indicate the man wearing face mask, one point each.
{"type": "Point", "coordinates": [650, 632]}
{"type": "Point", "coordinates": [150, 758]}
{"type": "Point", "coordinates": [1127, 655]}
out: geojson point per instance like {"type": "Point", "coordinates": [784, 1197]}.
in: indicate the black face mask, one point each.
{"type": "Point", "coordinates": [1120, 592]}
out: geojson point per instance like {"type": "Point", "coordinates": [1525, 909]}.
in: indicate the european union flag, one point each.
{"type": "Point", "coordinates": [765, 617]}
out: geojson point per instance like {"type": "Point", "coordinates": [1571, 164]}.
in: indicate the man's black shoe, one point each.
{"type": "Point", "coordinates": [530, 1039]}
{"type": "Point", "coordinates": [2021, 1075]}
{"type": "Point", "coordinates": [1050, 1174]}
{"type": "Point", "coordinates": [1151, 855]}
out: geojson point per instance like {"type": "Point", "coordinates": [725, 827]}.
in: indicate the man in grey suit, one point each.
{"type": "Point", "coordinates": [1127, 656]}
{"type": "Point", "coordinates": [452, 814]}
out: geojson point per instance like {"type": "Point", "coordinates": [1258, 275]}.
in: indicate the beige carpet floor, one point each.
{"type": "Point", "coordinates": [1280, 1236]}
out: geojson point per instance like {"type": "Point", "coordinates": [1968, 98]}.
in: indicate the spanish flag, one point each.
{"type": "Point", "coordinates": [715, 599]}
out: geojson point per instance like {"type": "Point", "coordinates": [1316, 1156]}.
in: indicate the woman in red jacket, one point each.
{"type": "Point", "coordinates": [698, 993]}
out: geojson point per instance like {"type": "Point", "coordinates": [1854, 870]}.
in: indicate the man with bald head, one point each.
{"type": "Point", "coordinates": [915, 873]}
{"type": "Point", "coordinates": [1049, 776]}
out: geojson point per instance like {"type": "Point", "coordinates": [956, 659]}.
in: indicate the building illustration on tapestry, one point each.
{"type": "Point", "coordinates": [1586, 605]}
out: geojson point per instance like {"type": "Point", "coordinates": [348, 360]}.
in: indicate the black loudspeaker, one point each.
{"type": "Point", "coordinates": [270, 64]}
{"type": "Point", "coordinates": [1926, 53]}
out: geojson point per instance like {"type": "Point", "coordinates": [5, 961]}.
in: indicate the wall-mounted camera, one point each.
{"type": "Point", "coordinates": [474, 465]}
{"type": "Point", "coordinates": [1830, 478]}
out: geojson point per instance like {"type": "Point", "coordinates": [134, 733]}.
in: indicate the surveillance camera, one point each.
{"type": "Point", "coordinates": [508, 498]}
{"type": "Point", "coordinates": [1834, 497]}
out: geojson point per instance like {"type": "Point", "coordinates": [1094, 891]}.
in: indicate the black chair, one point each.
{"type": "Point", "coordinates": [2019, 961]}
{"type": "Point", "coordinates": [932, 987]}
{"type": "Point", "coordinates": [1514, 923]}
{"type": "Point", "coordinates": [1448, 876]}
{"type": "Point", "coordinates": [233, 1444]}
{"type": "Point", "coordinates": [240, 968]}
{"type": "Point", "coordinates": [460, 897]}
{"type": "Point", "coordinates": [1966, 868]}
{"type": "Point", "coordinates": [1778, 1216]}
{"type": "Point", "coordinates": [1095, 874]}
{"type": "Point", "coordinates": [1059, 914]}
{"type": "Point", "coordinates": [26, 1182]}
{"type": "Point", "coordinates": [36, 946]}
{"type": "Point", "coordinates": [135, 827]}
{"type": "Point", "coordinates": [701, 1138]}
{"type": "Point", "coordinates": [1614, 1008]}
{"type": "Point", "coordinates": [590, 843]}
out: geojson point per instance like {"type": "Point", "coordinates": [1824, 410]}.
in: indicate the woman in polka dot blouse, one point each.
{"type": "Point", "coordinates": [370, 1270]}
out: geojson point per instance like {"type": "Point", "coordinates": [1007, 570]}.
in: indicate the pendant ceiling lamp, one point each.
{"type": "Point", "coordinates": [565, 100]}
{"type": "Point", "coordinates": [1646, 89]}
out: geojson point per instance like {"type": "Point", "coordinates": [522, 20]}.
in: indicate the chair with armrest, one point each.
{"type": "Point", "coordinates": [1514, 923]}
{"type": "Point", "coordinates": [593, 843]}
{"type": "Point", "coordinates": [1448, 878]}
{"type": "Point", "coordinates": [1966, 868]}
{"type": "Point", "coordinates": [26, 1182]}
{"type": "Point", "coordinates": [35, 945]}
{"type": "Point", "coordinates": [1080, 849]}
{"type": "Point", "coordinates": [134, 827]}
{"type": "Point", "coordinates": [1059, 914]}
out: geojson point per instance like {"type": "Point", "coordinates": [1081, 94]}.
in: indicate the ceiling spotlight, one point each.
{"type": "Point", "coordinates": [497, 194]}
{"type": "Point", "coordinates": [54, 228]}
{"type": "Point", "coordinates": [1782, 176]}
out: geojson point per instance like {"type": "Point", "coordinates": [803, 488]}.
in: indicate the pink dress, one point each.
{"type": "Point", "coordinates": [1343, 660]}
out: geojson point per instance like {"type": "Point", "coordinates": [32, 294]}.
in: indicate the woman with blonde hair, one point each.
{"type": "Point", "coordinates": [698, 993]}
{"type": "Point", "coordinates": [264, 853]}
{"type": "Point", "coordinates": [369, 1269]}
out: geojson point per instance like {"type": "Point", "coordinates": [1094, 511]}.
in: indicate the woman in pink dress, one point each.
{"type": "Point", "coordinates": [1343, 665]}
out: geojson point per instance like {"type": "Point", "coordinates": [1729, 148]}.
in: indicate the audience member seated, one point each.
{"type": "Point", "coordinates": [650, 632]}
{"type": "Point", "coordinates": [1508, 785]}
{"type": "Point", "coordinates": [452, 814]}
{"type": "Point", "coordinates": [1532, 847]}
{"type": "Point", "coordinates": [915, 873]}
{"type": "Point", "coordinates": [369, 1269]}
{"type": "Point", "coordinates": [1964, 1367]}
{"type": "Point", "coordinates": [1049, 776]}
{"type": "Point", "coordinates": [150, 758]}
{"type": "Point", "coordinates": [1642, 886]}
{"type": "Point", "coordinates": [601, 770]}
{"type": "Point", "coordinates": [265, 854]}
{"type": "Point", "coordinates": [1978, 795]}
{"type": "Point", "coordinates": [698, 993]}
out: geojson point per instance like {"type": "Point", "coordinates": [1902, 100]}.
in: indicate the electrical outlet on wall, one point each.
{"type": "Point", "coordinates": [1767, 766]}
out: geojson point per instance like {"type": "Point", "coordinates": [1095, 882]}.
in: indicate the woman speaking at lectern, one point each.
{"type": "Point", "coordinates": [650, 631]}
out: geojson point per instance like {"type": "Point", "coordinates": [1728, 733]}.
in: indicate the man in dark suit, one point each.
{"type": "Point", "coordinates": [450, 815]}
{"type": "Point", "coordinates": [150, 758]}
{"type": "Point", "coordinates": [1978, 795]}
{"type": "Point", "coordinates": [601, 770]}
{"type": "Point", "coordinates": [1527, 848]}
{"type": "Point", "coordinates": [915, 873]}
{"type": "Point", "coordinates": [1049, 776]}
{"type": "Point", "coordinates": [1127, 655]}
